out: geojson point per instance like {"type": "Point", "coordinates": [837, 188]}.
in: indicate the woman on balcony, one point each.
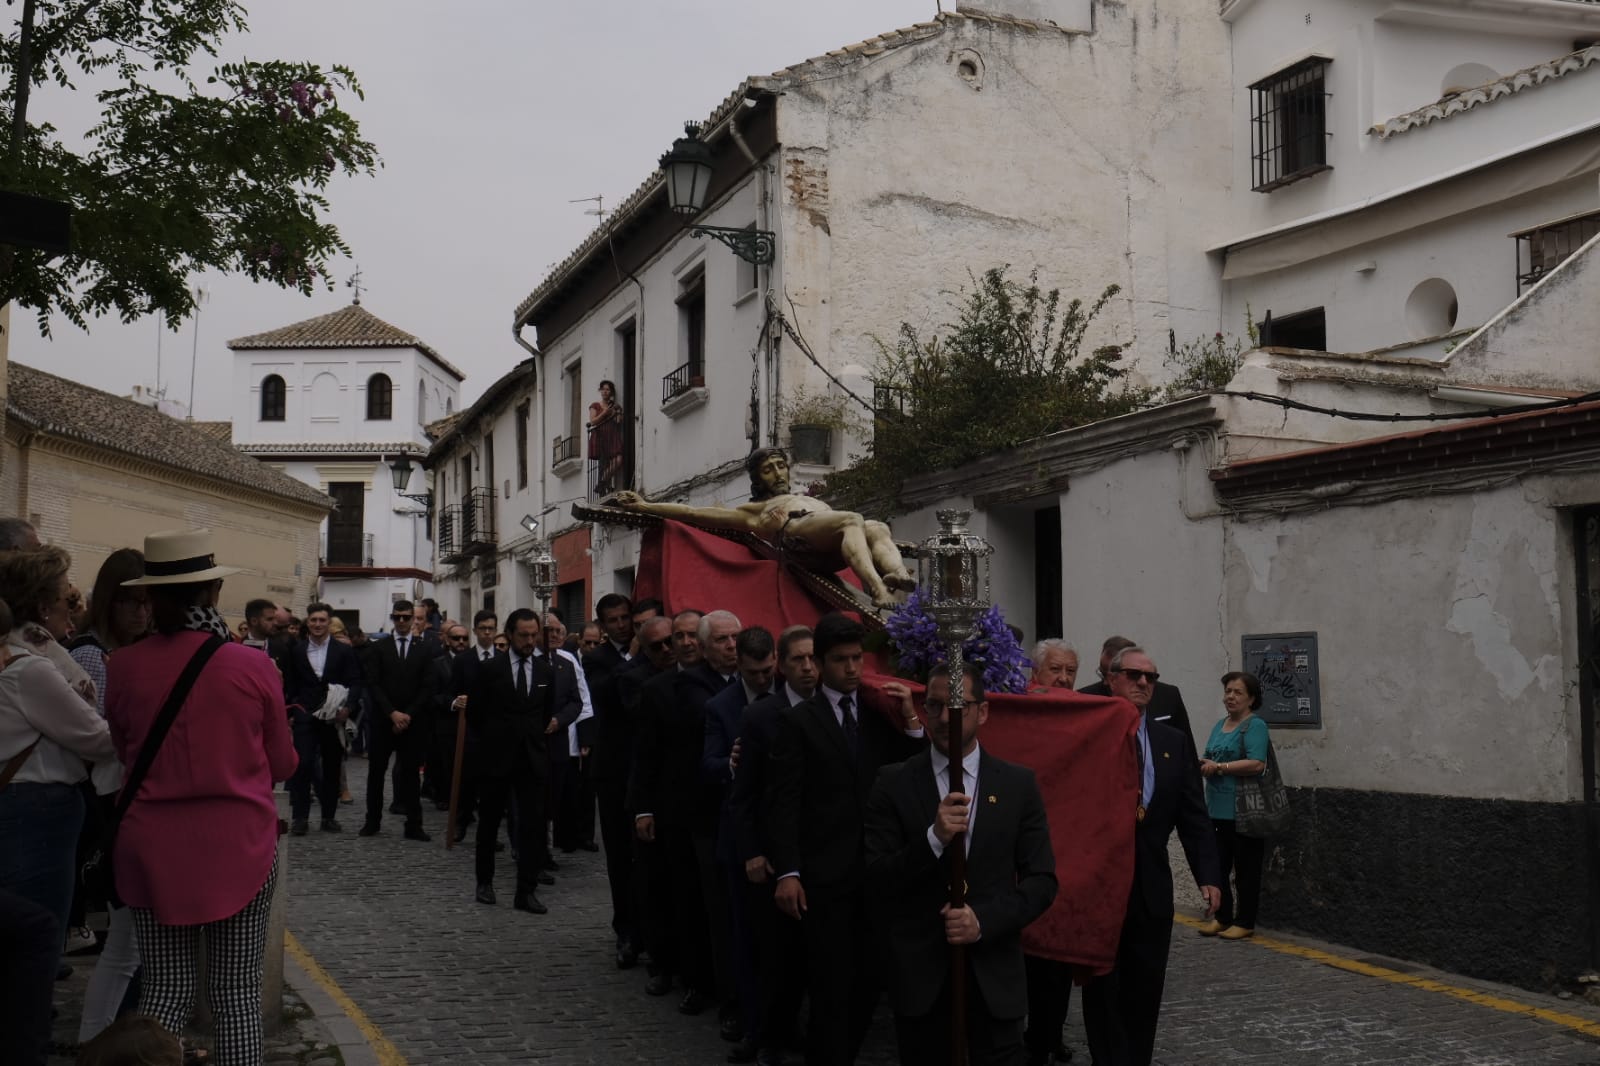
{"type": "Point", "coordinates": [605, 439]}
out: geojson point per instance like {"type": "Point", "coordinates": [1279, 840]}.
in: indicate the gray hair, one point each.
{"type": "Point", "coordinates": [1050, 644]}
{"type": "Point", "coordinates": [708, 620]}
{"type": "Point", "coordinates": [17, 534]}
{"type": "Point", "coordinates": [1131, 649]}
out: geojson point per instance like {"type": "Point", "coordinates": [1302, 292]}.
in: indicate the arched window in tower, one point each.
{"type": "Point", "coordinates": [422, 403]}
{"type": "Point", "coordinates": [380, 398]}
{"type": "Point", "coordinates": [272, 398]}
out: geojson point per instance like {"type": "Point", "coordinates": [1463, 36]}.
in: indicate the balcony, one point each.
{"type": "Point", "coordinates": [684, 389]}
{"type": "Point", "coordinates": [1546, 246]}
{"type": "Point", "coordinates": [340, 550]}
{"type": "Point", "coordinates": [566, 456]}
{"type": "Point", "coordinates": [468, 528]}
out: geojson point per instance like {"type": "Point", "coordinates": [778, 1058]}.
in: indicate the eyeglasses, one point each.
{"type": "Point", "coordinates": [1139, 675]}
{"type": "Point", "coordinates": [661, 645]}
{"type": "Point", "coordinates": [399, 618]}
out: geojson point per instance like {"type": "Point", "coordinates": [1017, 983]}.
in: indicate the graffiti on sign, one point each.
{"type": "Point", "coordinates": [1286, 665]}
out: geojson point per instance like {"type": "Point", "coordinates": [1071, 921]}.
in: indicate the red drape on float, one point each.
{"type": "Point", "coordinates": [1079, 747]}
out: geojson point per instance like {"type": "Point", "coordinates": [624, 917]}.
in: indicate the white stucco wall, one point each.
{"type": "Point", "coordinates": [325, 395]}
{"type": "Point", "coordinates": [1444, 633]}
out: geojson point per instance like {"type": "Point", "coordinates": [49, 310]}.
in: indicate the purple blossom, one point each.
{"type": "Point", "coordinates": [919, 649]}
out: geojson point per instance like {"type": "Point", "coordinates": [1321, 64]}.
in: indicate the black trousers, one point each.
{"type": "Point", "coordinates": [442, 759]}
{"type": "Point", "coordinates": [925, 1039]}
{"type": "Point", "coordinates": [30, 948]}
{"type": "Point", "coordinates": [572, 793]}
{"type": "Point", "coordinates": [1242, 856]}
{"type": "Point", "coordinates": [616, 835]}
{"type": "Point", "coordinates": [844, 977]}
{"type": "Point", "coordinates": [715, 905]}
{"type": "Point", "coordinates": [526, 784]}
{"type": "Point", "coordinates": [1049, 995]}
{"type": "Point", "coordinates": [321, 755]}
{"type": "Point", "coordinates": [406, 749]}
{"type": "Point", "coordinates": [1121, 1009]}
{"type": "Point", "coordinates": [780, 951]}
{"type": "Point", "coordinates": [680, 943]}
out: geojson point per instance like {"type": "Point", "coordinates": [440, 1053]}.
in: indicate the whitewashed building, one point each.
{"type": "Point", "coordinates": [333, 401]}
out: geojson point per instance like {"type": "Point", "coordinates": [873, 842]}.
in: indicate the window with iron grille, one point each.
{"type": "Point", "coordinates": [1289, 124]}
{"type": "Point", "coordinates": [272, 398]}
{"type": "Point", "coordinates": [1549, 244]}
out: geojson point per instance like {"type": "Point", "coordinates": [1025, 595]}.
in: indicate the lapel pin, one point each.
{"type": "Point", "coordinates": [1166, 755]}
{"type": "Point", "coordinates": [993, 800]}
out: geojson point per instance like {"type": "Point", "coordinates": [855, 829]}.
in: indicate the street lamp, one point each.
{"type": "Point", "coordinates": [542, 575]}
{"type": "Point", "coordinates": [688, 169]}
{"type": "Point", "coordinates": [953, 566]}
{"type": "Point", "coordinates": [530, 523]}
{"type": "Point", "coordinates": [400, 470]}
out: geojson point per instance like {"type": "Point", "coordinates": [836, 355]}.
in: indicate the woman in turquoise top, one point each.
{"type": "Point", "coordinates": [1237, 747]}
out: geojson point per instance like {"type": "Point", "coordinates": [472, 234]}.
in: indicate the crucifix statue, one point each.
{"type": "Point", "coordinates": [774, 513]}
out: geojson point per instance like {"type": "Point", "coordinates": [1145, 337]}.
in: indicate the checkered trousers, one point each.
{"type": "Point", "coordinates": [235, 947]}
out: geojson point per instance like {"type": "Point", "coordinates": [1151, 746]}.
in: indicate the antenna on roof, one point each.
{"type": "Point", "coordinates": [599, 208]}
{"type": "Point", "coordinates": [354, 282]}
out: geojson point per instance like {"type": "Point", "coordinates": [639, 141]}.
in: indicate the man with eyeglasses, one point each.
{"type": "Point", "coordinates": [1121, 1009]}
{"type": "Point", "coordinates": [442, 713]}
{"type": "Point", "coordinates": [400, 687]}
{"type": "Point", "coordinates": [1166, 702]}
{"type": "Point", "coordinates": [611, 758]}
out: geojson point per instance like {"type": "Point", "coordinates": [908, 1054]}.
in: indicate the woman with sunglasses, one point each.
{"type": "Point", "coordinates": [1237, 748]}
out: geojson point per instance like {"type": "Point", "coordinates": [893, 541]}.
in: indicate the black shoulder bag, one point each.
{"type": "Point", "coordinates": [98, 878]}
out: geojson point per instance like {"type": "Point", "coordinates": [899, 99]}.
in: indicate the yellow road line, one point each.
{"type": "Point", "coordinates": [1427, 984]}
{"type": "Point", "coordinates": [387, 1053]}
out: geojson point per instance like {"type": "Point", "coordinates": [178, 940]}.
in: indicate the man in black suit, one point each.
{"type": "Point", "coordinates": [655, 657]}
{"type": "Point", "coordinates": [1121, 1009]}
{"type": "Point", "coordinates": [426, 637]}
{"type": "Point", "coordinates": [661, 793]}
{"type": "Point", "coordinates": [610, 759]}
{"type": "Point", "coordinates": [442, 713]}
{"type": "Point", "coordinates": [313, 665]}
{"type": "Point", "coordinates": [915, 816]}
{"type": "Point", "coordinates": [779, 944]}
{"type": "Point", "coordinates": [463, 672]}
{"type": "Point", "coordinates": [824, 760]}
{"type": "Point", "coordinates": [519, 704]}
{"type": "Point", "coordinates": [756, 657]}
{"type": "Point", "coordinates": [401, 672]}
{"type": "Point", "coordinates": [1166, 702]}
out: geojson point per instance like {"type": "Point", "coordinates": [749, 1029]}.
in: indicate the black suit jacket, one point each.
{"type": "Point", "coordinates": [612, 752]}
{"type": "Point", "coordinates": [1178, 802]}
{"type": "Point", "coordinates": [672, 730]}
{"type": "Point", "coordinates": [400, 684]}
{"type": "Point", "coordinates": [1011, 879]}
{"type": "Point", "coordinates": [724, 727]}
{"type": "Point", "coordinates": [509, 729]}
{"type": "Point", "coordinates": [464, 671]}
{"type": "Point", "coordinates": [1166, 705]}
{"type": "Point", "coordinates": [757, 729]}
{"type": "Point", "coordinates": [816, 794]}
{"type": "Point", "coordinates": [301, 684]}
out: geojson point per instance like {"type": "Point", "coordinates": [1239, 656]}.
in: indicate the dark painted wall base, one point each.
{"type": "Point", "coordinates": [1494, 889]}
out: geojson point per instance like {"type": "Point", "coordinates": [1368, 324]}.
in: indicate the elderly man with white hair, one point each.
{"type": "Point", "coordinates": [1055, 665]}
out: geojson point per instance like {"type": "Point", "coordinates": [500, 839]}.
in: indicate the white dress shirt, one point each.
{"type": "Point", "coordinates": [969, 787]}
{"type": "Point", "coordinates": [317, 654]}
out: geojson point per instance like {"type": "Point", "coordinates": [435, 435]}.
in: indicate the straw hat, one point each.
{"type": "Point", "coordinates": [180, 557]}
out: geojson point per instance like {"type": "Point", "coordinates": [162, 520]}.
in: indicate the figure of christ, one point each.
{"type": "Point", "coordinates": [774, 512]}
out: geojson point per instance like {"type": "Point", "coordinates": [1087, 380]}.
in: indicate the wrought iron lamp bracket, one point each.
{"type": "Point", "coordinates": [756, 246]}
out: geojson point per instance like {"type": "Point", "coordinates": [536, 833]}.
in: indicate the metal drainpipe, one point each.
{"type": "Point", "coordinates": [516, 335]}
{"type": "Point", "coordinates": [763, 273]}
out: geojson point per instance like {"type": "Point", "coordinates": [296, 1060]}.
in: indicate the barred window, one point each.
{"type": "Point", "coordinates": [1289, 124]}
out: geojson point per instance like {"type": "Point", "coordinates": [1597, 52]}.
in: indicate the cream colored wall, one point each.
{"type": "Point", "coordinates": [92, 505]}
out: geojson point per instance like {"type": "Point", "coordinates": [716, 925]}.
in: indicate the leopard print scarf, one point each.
{"type": "Point", "coordinates": [207, 620]}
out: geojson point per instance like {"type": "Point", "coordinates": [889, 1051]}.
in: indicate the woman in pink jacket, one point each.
{"type": "Point", "coordinates": [198, 844]}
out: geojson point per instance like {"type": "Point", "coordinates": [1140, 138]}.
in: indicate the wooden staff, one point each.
{"type": "Point", "coordinates": [958, 859]}
{"type": "Point", "coordinates": [455, 778]}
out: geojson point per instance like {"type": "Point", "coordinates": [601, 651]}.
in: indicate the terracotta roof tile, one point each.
{"type": "Point", "coordinates": [221, 431]}
{"type": "Point", "coordinates": [62, 408]}
{"type": "Point", "coordinates": [349, 327]}
{"type": "Point", "coordinates": [1467, 99]}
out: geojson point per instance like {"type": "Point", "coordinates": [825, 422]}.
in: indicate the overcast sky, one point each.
{"type": "Point", "coordinates": [489, 115]}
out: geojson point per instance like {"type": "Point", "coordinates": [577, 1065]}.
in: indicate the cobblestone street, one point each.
{"type": "Point", "coordinates": [448, 980]}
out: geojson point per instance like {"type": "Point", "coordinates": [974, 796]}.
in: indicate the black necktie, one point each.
{"type": "Point", "coordinates": [849, 714]}
{"type": "Point", "coordinates": [487, 654]}
{"type": "Point", "coordinates": [403, 643]}
{"type": "Point", "coordinates": [522, 677]}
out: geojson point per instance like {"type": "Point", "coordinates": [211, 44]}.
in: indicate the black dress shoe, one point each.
{"type": "Point", "coordinates": [485, 894]}
{"type": "Point", "coordinates": [627, 957]}
{"type": "Point", "coordinates": [550, 864]}
{"type": "Point", "coordinates": [395, 808]}
{"type": "Point", "coordinates": [368, 829]}
{"type": "Point", "coordinates": [731, 1029]}
{"type": "Point", "coordinates": [527, 901]}
{"type": "Point", "coordinates": [299, 827]}
{"type": "Point", "coordinates": [658, 985]}
{"type": "Point", "coordinates": [417, 834]}
{"type": "Point", "coordinates": [588, 845]}
{"type": "Point", "coordinates": [461, 836]}
{"type": "Point", "coordinates": [1062, 1052]}
{"type": "Point", "coordinates": [743, 1051]}
{"type": "Point", "coordinates": [769, 1056]}
{"type": "Point", "coordinates": [546, 879]}
{"type": "Point", "coordinates": [694, 1002]}
{"type": "Point", "coordinates": [331, 825]}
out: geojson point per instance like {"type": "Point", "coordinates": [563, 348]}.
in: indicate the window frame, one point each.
{"type": "Point", "coordinates": [380, 385]}
{"type": "Point", "coordinates": [1289, 124]}
{"type": "Point", "coordinates": [278, 397]}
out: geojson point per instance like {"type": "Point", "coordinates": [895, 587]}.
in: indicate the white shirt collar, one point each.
{"type": "Point", "coordinates": [969, 766]}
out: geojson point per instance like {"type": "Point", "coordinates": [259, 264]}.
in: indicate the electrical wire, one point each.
{"type": "Point", "coordinates": [805, 348]}
{"type": "Point", "coordinates": [1434, 416]}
